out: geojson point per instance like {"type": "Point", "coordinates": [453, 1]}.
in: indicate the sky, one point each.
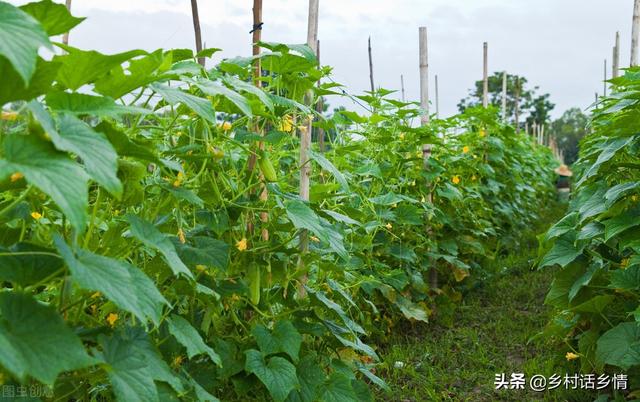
{"type": "Point", "coordinates": [558, 45]}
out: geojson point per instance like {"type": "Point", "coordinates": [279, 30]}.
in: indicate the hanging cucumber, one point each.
{"type": "Point", "coordinates": [253, 276]}
{"type": "Point", "coordinates": [267, 169]}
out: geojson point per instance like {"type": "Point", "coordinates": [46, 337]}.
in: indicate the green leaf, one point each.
{"type": "Point", "coordinates": [626, 279]}
{"type": "Point", "coordinates": [620, 223]}
{"type": "Point", "coordinates": [75, 136]}
{"type": "Point", "coordinates": [206, 251]}
{"type": "Point", "coordinates": [407, 214]}
{"type": "Point", "coordinates": [81, 67]}
{"type": "Point", "coordinates": [35, 342]}
{"type": "Point", "coordinates": [150, 236]}
{"type": "Point", "coordinates": [189, 337]}
{"type": "Point", "coordinates": [83, 104]}
{"type": "Point", "coordinates": [129, 370]}
{"type": "Point", "coordinates": [608, 151]}
{"type": "Point", "coordinates": [562, 284]}
{"type": "Point", "coordinates": [240, 85]}
{"type": "Point", "coordinates": [322, 298]}
{"type": "Point", "coordinates": [338, 388]}
{"type": "Point", "coordinates": [54, 17]}
{"type": "Point", "coordinates": [284, 338]}
{"type": "Point", "coordinates": [594, 305]}
{"type": "Point", "coordinates": [30, 268]}
{"type": "Point", "coordinates": [213, 89]}
{"type": "Point", "coordinates": [14, 89]}
{"type": "Point", "coordinates": [615, 192]}
{"type": "Point", "coordinates": [140, 72]}
{"type": "Point", "coordinates": [620, 346]}
{"type": "Point", "coordinates": [122, 283]}
{"type": "Point", "coordinates": [310, 376]}
{"type": "Point", "coordinates": [125, 146]}
{"type": "Point", "coordinates": [563, 252]}
{"type": "Point", "coordinates": [328, 166]}
{"type": "Point", "coordinates": [564, 225]}
{"type": "Point", "coordinates": [51, 171]}
{"type": "Point", "coordinates": [304, 217]}
{"type": "Point", "coordinates": [278, 375]}
{"type": "Point", "coordinates": [201, 106]}
{"type": "Point", "coordinates": [20, 38]}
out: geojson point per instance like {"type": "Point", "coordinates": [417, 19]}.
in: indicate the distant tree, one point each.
{"type": "Point", "coordinates": [568, 130]}
{"type": "Point", "coordinates": [533, 107]}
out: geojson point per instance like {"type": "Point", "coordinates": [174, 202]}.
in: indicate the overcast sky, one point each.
{"type": "Point", "coordinates": [559, 45]}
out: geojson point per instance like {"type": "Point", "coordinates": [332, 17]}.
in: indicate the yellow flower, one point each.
{"type": "Point", "coordinates": [634, 198]}
{"type": "Point", "coordinates": [388, 226]}
{"type": "Point", "coordinates": [242, 244]}
{"type": "Point", "coordinates": [36, 215]}
{"type": "Point", "coordinates": [96, 295]}
{"type": "Point", "coordinates": [9, 116]}
{"type": "Point", "coordinates": [226, 126]}
{"type": "Point", "coordinates": [112, 318]}
{"type": "Point", "coordinates": [455, 179]}
{"type": "Point", "coordinates": [314, 239]}
{"type": "Point", "coordinates": [473, 178]}
{"type": "Point", "coordinates": [177, 361]}
{"type": "Point", "coordinates": [181, 236]}
{"type": "Point", "coordinates": [465, 149]}
{"type": "Point", "coordinates": [178, 181]}
{"type": "Point", "coordinates": [16, 176]}
{"type": "Point", "coordinates": [624, 263]}
{"type": "Point", "coordinates": [402, 136]}
{"type": "Point", "coordinates": [201, 268]}
{"type": "Point", "coordinates": [286, 124]}
{"type": "Point", "coordinates": [482, 132]}
{"type": "Point", "coordinates": [571, 356]}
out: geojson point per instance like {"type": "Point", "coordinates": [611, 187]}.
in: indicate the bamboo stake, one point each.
{"type": "Point", "coordinates": [319, 109]}
{"type": "Point", "coordinates": [65, 37]}
{"type": "Point", "coordinates": [196, 29]}
{"type": "Point", "coordinates": [371, 66]}
{"type": "Point", "coordinates": [635, 32]}
{"type": "Point", "coordinates": [604, 83]}
{"type": "Point", "coordinates": [517, 108]}
{"type": "Point", "coordinates": [437, 99]}
{"type": "Point", "coordinates": [616, 57]}
{"type": "Point", "coordinates": [485, 75]}
{"type": "Point", "coordinates": [402, 87]}
{"type": "Point", "coordinates": [504, 97]}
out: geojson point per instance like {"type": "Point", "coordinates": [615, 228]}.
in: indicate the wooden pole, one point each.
{"type": "Point", "coordinates": [616, 58]}
{"type": "Point", "coordinates": [504, 97]}
{"type": "Point", "coordinates": [371, 66]}
{"type": "Point", "coordinates": [402, 87]}
{"type": "Point", "coordinates": [305, 135]}
{"type": "Point", "coordinates": [319, 110]}
{"type": "Point", "coordinates": [485, 75]}
{"type": "Point", "coordinates": [604, 83]}
{"type": "Point", "coordinates": [196, 29]}
{"type": "Point", "coordinates": [437, 98]}
{"type": "Point", "coordinates": [65, 37]}
{"type": "Point", "coordinates": [517, 108]}
{"type": "Point", "coordinates": [635, 32]}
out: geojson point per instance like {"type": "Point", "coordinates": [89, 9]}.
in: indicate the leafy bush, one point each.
{"type": "Point", "coordinates": [151, 225]}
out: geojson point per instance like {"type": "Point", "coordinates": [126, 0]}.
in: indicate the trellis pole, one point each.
{"type": "Point", "coordinates": [196, 29]}
{"type": "Point", "coordinates": [370, 65]}
{"type": "Point", "coordinates": [635, 32]}
{"type": "Point", "coordinates": [65, 37]}
{"type": "Point", "coordinates": [437, 97]}
{"type": "Point", "coordinates": [604, 83]}
{"type": "Point", "coordinates": [485, 75]}
{"type": "Point", "coordinates": [615, 68]}
{"type": "Point", "coordinates": [504, 97]}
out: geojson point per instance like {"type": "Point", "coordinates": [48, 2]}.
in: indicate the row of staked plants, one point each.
{"type": "Point", "coordinates": [151, 223]}
{"type": "Point", "coordinates": [596, 292]}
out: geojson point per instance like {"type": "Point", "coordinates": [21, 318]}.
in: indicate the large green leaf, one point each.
{"type": "Point", "coordinates": [55, 18]}
{"type": "Point", "coordinates": [328, 166]}
{"type": "Point", "coordinates": [564, 251]}
{"type": "Point", "coordinates": [81, 67]}
{"type": "Point", "coordinates": [29, 264]}
{"type": "Point", "coordinates": [124, 145]}
{"type": "Point", "coordinates": [564, 225]}
{"type": "Point", "coordinates": [51, 171]}
{"type": "Point", "coordinates": [14, 89]}
{"type": "Point", "coordinates": [75, 136]}
{"type": "Point", "coordinates": [35, 342]}
{"type": "Point", "coordinates": [201, 106]}
{"type": "Point", "coordinates": [214, 89]}
{"type": "Point", "coordinates": [240, 85]}
{"type": "Point", "coordinates": [620, 346]}
{"type": "Point", "coordinates": [125, 285]}
{"type": "Point", "coordinates": [284, 338]}
{"type": "Point", "coordinates": [608, 151]}
{"type": "Point", "coordinates": [20, 38]}
{"type": "Point", "coordinates": [278, 375]}
{"type": "Point", "coordinates": [140, 72]}
{"type": "Point", "coordinates": [338, 388]}
{"type": "Point", "coordinates": [304, 217]}
{"type": "Point", "coordinates": [206, 251]}
{"type": "Point", "coordinates": [622, 222]}
{"type": "Point", "coordinates": [626, 279]}
{"type": "Point", "coordinates": [129, 369]}
{"type": "Point", "coordinates": [83, 104]}
{"type": "Point", "coordinates": [150, 236]}
{"type": "Point", "coordinates": [189, 337]}
{"type": "Point", "coordinates": [310, 377]}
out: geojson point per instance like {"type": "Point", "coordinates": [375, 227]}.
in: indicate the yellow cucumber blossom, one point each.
{"type": "Point", "coordinates": [181, 236]}
{"type": "Point", "coordinates": [242, 244]}
{"type": "Point", "coordinates": [465, 149]}
{"type": "Point", "coordinates": [16, 176]}
{"type": "Point", "coordinates": [571, 356]}
{"type": "Point", "coordinates": [112, 318]}
{"type": "Point", "coordinates": [36, 215]}
{"type": "Point", "coordinates": [455, 179]}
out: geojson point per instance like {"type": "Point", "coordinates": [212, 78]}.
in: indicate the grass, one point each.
{"type": "Point", "coordinates": [489, 334]}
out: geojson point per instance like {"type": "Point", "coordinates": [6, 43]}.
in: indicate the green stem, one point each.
{"type": "Point", "coordinates": [15, 202]}
{"type": "Point", "coordinates": [92, 222]}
